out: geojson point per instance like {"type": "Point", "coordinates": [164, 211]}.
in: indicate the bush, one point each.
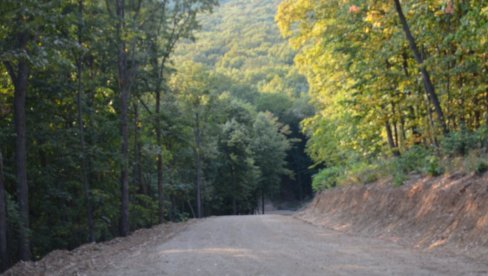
{"type": "Point", "coordinates": [416, 160]}
{"type": "Point", "coordinates": [412, 160]}
{"type": "Point", "coordinates": [476, 161]}
{"type": "Point", "coordinates": [463, 141]}
{"type": "Point", "coordinates": [326, 178]}
{"type": "Point", "coordinates": [361, 173]}
{"type": "Point", "coordinates": [481, 167]}
{"type": "Point", "coordinates": [432, 166]}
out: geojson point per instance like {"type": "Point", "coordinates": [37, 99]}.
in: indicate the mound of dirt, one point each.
{"type": "Point", "coordinates": [97, 256]}
{"type": "Point", "coordinates": [448, 212]}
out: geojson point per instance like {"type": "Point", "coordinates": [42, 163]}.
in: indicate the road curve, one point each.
{"type": "Point", "coordinates": [282, 245]}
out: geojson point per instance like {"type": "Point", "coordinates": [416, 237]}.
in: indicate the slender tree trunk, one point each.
{"type": "Point", "coordinates": [411, 109]}
{"type": "Point", "coordinates": [198, 167]}
{"type": "Point", "coordinates": [389, 136]}
{"type": "Point", "coordinates": [429, 87]}
{"type": "Point", "coordinates": [159, 157]}
{"type": "Point", "coordinates": [3, 220]}
{"type": "Point", "coordinates": [124, 126]}
{"type": "Point", "coordinates": [431, 120]}
{"type": "Point", "coordinates": [137, 152]}
{"type": "Point", "coordinates": [20, 80]}
{"type": "Point", "coordinates": [395, 126]}
{"type": "Point", "coordinates": [81, 130]}
{"type": "Point", "coordinates": [234, 200]}
{"type": "Point", "coordinates": [262, 199]}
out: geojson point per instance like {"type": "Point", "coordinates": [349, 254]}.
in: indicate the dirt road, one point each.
{"type": "Point", "coordinates": [281, 245]}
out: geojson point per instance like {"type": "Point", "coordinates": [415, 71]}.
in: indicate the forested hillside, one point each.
{"type": "Point", "coordinates": [240, 44]}
{"type": "Point", "coordinates": [113, 118]}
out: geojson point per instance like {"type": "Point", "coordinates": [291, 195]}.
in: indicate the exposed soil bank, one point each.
{"type": "Point", "coordinates": [448, 212]}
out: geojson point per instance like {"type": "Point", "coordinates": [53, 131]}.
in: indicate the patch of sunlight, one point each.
{"type": "Point", "coordinates": [437, 243]}
{"type": "Point", "coordinates": [482, 222]}
{"type": "Point", "coordinates": [471, 206]}
{"type": "Point", "coordinates": [348, 267]}
{"type": "Point", "coordinates": [226, 251]}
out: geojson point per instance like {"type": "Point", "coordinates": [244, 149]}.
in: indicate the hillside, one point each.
{"type": "Point", "coordinates": [240, 41]}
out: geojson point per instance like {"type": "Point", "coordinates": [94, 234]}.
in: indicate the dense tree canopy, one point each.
{"type": "Point", "coordinates": [112, 118]}
{"type": "Point", "coordinates": [385, 76]}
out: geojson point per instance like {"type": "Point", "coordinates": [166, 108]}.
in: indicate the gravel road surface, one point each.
{"type": "Point", "coordinates": [282, 245]}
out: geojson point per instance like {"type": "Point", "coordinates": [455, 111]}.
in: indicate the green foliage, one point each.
{"type": "Point", "coordinates": [362, 173]}
{"type": "Point", "coordinates": [270, 146]}
{"type": "Point", "coordinates": [463, 141]}
{"type": "Point", "coordinates": [433, 166]}
{"type": "Point", "coordinates": [365, 86]}
{"type": "Point", "coordinates": [143, 211]}
{"type": "Point", "coordinates": [249, 68]}
{"type": "Point", "coordinates": [475, 162]}
{"type": "Point", "coordinates": [326, 178]}
{"type": "Point", "coordinates": [481, 167]}
{"type": "Point", "coordinates": [416, 160]}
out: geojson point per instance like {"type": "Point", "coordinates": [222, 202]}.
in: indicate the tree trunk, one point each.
{"type": "Point", "coordinates": [429, 87]}
{"type": "Point", "coordinates": [20, 80]}
{"type": "Point", "coordinates": [160, 157]}
{"type": "Point", "coordinates": [234, 200]}
{"type": "Point", "coordinates": [137, 153]}
{"type": "Point", "coordinates": [262, 199]}
{"type": "Point", "coordinates": [389, 136]}
{"type": "Point", "coordinates": [81, 130]}
{"type": "Point", "coordinates": [198, 167]}
{"type": "Point", "coordinates": [124, 126]}
{"type": "Point", "coordinates": [3, 220]}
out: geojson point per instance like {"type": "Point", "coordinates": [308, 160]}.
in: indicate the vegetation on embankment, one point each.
{"type": "Point", "coordinates": [407, 80]}
{"type": "Point", "coordinates": [459, 152]}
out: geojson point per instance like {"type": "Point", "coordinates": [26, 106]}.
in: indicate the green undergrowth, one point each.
{"type": "Point", "coordinates": [463, 151]}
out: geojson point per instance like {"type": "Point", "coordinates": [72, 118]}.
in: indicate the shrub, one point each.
{"type": "Point", "coordinates": [326, 178]}
{"type": "Point", "coordinates": [481, 167]}
{"type": "Point", "coordinates": [412, 160]}
{"type": "Point", "coordinates": [432, 166]}
{"type": "Point", "coordinates": [361, 173]}
{"type": "Point", "coordinates": [476, 161]}
{"type": "Point", "coordinates": [418, 160]}
{"type": "Point", "coordinates": [463, 141]}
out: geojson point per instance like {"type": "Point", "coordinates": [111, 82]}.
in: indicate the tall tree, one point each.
{"type": "Point", "coordinates": [429, 87]}
{"type": "Point", "coordinates": [20, 19]}
{"type": "Point", "coordinates": [270, 146]}
{"type": "Point", "coordinates": [81, 126]}
{"type": "Point", "coordinates": [124, 93]}
{"type": "Point", "coordinates": [192, 86]}
{"type": "Point", "coordinates": [3, 220]}
{"type": "Point", "coordinates": [176, 20]}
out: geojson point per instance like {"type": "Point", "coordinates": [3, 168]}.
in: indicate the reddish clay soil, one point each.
{"type": "Point", "coordinates": [444, 214]}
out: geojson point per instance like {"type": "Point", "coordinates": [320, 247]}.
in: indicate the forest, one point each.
{"type": "Point", "coordinates": [120, 115]}
{"type": "Point", "coordinates": [123, 114]}
{"type": "Point", "coordinates": [398, 87]}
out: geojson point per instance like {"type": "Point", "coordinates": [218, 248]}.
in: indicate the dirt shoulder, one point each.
{"type": "Point", "coordinates": [94, 258]}
{"type": "Point", "coordinates": [442, 214]}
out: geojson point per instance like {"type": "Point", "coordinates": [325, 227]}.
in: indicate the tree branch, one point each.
{"type": "Point", "coordinates": [11, 71]}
